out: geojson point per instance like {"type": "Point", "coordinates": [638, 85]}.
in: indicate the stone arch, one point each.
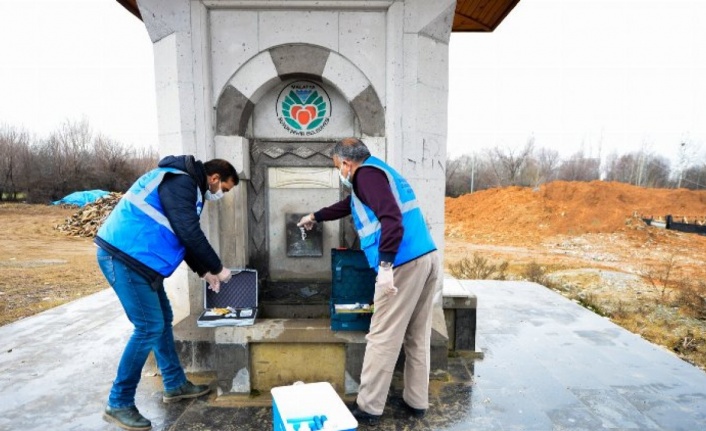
{"type": "Point", "coordinates": [255, 77]}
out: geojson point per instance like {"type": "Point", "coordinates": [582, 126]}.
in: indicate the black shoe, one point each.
{"type": "Point", "coordinates": [127, 418]}
{"type": "Point", "coordinates": [417, 413]}
{"type": "Point", "coordinates": [187, 390]}
{"type": "Point", "coordinates": [364, 418]}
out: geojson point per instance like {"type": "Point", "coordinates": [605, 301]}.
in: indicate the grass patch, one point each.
{"type": "Point", "coordinates": [41, 268]}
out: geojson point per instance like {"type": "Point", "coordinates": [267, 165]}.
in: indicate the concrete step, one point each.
{"type": "Point", "coordinates": [283, 351]}
{"type": "Point", "coordinates": [277, 352]}
{"type": "Point", "coordinates": [286, 310]}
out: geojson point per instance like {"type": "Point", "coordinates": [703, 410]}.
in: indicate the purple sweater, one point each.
{"type": "Point", "coordinates": [373, 189]}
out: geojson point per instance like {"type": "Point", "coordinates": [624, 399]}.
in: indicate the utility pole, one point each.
{"type": "Point", "coordinates": [473, 170]}
{"type": "Point", "coordinates": [682, 160]}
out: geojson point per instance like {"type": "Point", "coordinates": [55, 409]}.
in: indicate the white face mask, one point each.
{"type": "Point", "coordinates": [345, 181]}
{"type": "Point", "coordinates": [214, 196]}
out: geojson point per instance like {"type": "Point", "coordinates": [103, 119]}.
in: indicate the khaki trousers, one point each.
{"type": "Point", "coordinates": [401, 320]}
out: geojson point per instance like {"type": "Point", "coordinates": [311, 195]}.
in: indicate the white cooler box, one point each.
{"type": "Point", "coordinates": [310, 406]}
{"type": "Point", "coordinates": [234, 305]}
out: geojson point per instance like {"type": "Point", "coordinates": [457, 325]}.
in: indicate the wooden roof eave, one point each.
{"type": "Point", "coordinates": [470, 15]}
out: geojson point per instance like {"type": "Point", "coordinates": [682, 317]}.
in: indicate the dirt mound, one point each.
{"type": "Point", "coordinates": [566, 208]}
{"type": "Point", "coordinates": [589, 243]}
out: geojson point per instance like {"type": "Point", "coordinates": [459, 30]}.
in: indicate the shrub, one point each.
{"type": "Point", "coordinates": [660, 278]}
{"type": "Point", "coordinates": [478, 268]}
{"type": "Point", "coordinates": [536, 273]}
{"type": "Point", "coordinates": [691, 299]}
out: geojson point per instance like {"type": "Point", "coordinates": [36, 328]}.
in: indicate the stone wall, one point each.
{"type": "Point", "coordinates": [215, 61]}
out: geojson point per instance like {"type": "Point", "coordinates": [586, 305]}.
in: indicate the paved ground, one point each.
{"type": "Point", "coordinates": [549, 365]}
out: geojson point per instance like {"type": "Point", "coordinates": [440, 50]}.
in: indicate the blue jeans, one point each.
{"type": "Point", "coordinates": [151, 314]}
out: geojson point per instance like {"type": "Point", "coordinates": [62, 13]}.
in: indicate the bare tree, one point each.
{"type": "Point", "coordinates": [73, 140]}
{"type": "Point", "coordinates": [26, 169]}
{"type": "Point", "coordinates": [579, 168]}
{"type": "Point", "coordinates": [143, 160]}
{"type": "Point", "coordinates": [694, 178]}
{"type": "Point", "coordinates": [508, 163]}
{"type": "Point", "coordinates": [111, 164]}
{"type": "Point", "coordinates": [65, 157]}
{"type": "Point", "coordinates": [639, 168]}
{"type": "Point", "coordinates": [656, 172]}
{"type": "Point", "coordinates": [14, 144]}
{"type": "Point", "coordinates": [459, 175]}
{"type": "Point", "coordinates": [547, 162]}
{"type": "Point", "coordinates": [622, 168]}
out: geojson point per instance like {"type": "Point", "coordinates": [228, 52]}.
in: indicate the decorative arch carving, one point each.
{"type": "Point", "coordinates": [260, 73]}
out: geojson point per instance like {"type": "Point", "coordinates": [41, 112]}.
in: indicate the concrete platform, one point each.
{"type": "Point", "coordinates": [548, 364]}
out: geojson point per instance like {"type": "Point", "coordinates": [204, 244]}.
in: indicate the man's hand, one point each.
{"type": "Point", "coordinates": [385, 280]}
{"type": "Point", "coordinates": [213, 282]}
{"type": "Point", "coordinates": [225, 275]}
{"type": "Point", "coordinates": [307, 222]}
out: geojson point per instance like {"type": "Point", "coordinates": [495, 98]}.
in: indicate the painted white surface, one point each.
{"type": "Point", "coordinates": [266, 124]}
{"type": "Point", "coordinates": [280, 27]}
{"type": "Point", "coordinates": [346, 76]}
{"type": "Point", "coordinates": [362, 41]}
{"type": "Point", "coordinates": [233, 37]}
{"type": "Point", "coordinates": [250, 78]}
{"type": "Point", "coordinates": [234, 149]}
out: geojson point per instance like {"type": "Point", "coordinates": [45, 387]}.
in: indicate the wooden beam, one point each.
{"type": "Point", "coordinates": [131, 6]}
{"type": "Point", "coordinates": [475, 22]}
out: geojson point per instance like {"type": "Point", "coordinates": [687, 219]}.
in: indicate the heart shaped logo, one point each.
{"type": "Point", "coordinates": [303, 114]}
{"type": "Point", "coordinates": [303, 108]}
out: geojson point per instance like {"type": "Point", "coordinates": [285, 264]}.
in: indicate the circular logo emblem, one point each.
{"type": "Point", "coordinates": [303, 108]}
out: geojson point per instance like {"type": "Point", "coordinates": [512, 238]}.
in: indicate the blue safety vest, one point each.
{"type": "Point", "coordinates": [416, 240]}
{"type": "Point", "coordinates": [139, 228]}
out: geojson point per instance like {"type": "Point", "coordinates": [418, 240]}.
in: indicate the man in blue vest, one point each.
{"type": "Point", "coordinates": [397, 243]}
{"type": "Point", "coordinates": [153, 228]}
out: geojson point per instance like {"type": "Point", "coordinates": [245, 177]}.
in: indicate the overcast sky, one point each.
{"type": "Point", "coordinates": [597, 75]}
{"type": "Point", "coordinates": [70, 59]}
{"type": "Point", "coordinates": [608, 75]}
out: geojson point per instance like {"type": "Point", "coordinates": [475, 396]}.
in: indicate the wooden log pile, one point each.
{"type": "Point", "coordinates": [88, 219]}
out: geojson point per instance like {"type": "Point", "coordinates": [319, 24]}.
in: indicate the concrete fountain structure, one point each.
{"type": "Point", "coordinates": [270, 86]}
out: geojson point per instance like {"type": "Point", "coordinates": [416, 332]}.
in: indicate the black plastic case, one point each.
{"type": "Point", "coordinates": [240, 294]}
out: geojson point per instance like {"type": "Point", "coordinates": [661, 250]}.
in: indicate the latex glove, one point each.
{"type": "Point", "coordinates": [213, 282]}
{"type": "Point", "coordinates": [307, 222]}
{"type": "Point", "coordinates": [385, 280]}
{"type": "Point", "coordinates": [225, 275]}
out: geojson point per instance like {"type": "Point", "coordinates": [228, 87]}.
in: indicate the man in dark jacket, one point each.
{"type": "Point", "coordinates": [155, 227]}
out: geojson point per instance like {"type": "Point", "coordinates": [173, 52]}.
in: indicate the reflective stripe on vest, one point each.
{"type": "Point", "coordinates": [416, 239]}
{"type": "Point", "coordinates": [140, 210]}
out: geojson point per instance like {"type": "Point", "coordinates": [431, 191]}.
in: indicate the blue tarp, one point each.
{"type": "Point", "coordinates": [81, 198]}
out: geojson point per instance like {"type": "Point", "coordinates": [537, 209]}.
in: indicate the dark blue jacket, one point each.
{"type": "Point", "coordinates": [178, 194]}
